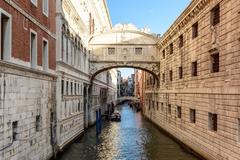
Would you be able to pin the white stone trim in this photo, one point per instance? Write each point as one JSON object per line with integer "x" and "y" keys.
{"x": 33, "y": 64}
{"x": 9, "y": 55}
{"x": 43, "y": 3}
{"x": 45, "y": 60}
{"x": 34, "y": 2}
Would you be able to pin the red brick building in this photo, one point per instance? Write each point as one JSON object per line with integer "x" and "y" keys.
{"x": 28, "y": 32}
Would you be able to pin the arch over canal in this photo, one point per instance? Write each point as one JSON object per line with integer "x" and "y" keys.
{"x": 124, "y": 46}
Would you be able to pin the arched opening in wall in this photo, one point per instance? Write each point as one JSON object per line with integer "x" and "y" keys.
{"x": 154, "y": 76}
{"x": 131, "y": 85}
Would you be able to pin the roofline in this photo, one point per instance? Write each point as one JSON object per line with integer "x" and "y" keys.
{"x": 126, "y": 31}
{"x": 108, "y": 15}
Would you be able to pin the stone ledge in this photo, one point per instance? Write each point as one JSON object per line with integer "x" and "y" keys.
{"x": 15, "y": 69}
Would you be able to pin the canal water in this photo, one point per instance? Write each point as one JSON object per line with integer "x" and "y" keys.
{"x": 133, "y": 138}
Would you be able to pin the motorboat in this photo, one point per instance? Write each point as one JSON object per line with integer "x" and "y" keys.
{"x": 116, "y": 116}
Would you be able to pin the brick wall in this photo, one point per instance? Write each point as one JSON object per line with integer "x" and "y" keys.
{"x": 21, "y": 26}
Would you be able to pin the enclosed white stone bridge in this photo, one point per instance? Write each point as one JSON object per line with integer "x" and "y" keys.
{"x": 124, "y": 46}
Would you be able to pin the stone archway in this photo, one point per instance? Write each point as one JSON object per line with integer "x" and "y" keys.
{"x": 124, "y": 46}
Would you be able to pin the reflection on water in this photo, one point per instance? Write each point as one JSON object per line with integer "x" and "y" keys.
{"x": 131, "y": 139}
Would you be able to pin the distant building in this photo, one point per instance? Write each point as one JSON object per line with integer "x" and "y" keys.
{"x": 119, "y": 79}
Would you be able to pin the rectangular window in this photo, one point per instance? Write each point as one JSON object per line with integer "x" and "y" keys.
{"x": 215, "y": 15}
{"x": 169, "y": 109}
{"x": 194, "y": 68}
{"x": 179, "y": 112}
{"x": 163, "y": 54}
{"x": 45, "y": 55}
{"x": 157, "y": 106}
{"x": 38, "y": 123}
{"x": 162, "y": 107}
{"x": 215, "y": 62}
{"x": 163, "y": 77}
{"x": 138, "y": 51}
{"x": 5, "y": 37}
{"x": 71, "y": 88}
{"x": 62, "y": 88}
{"x": 111, "y": 51}
{"x": 45, "y": 7}
{"x": 212, "y": 122}
{"x": 180, "y": 71}
{"x": 181, "y": 41}
{"x": 67, "y": 88}
{"x": 33, "y": 49}
{"x": 34, "y": 2}
{"x": 75, "y": 88}
{"x": 170, "y": 75}
{"x": 14, "y": 130}
{"x": 195, "y": 30}
{"x": 238, "y": 129}
{"x": 171, "y": 48}
{"x": 192, "y": 115}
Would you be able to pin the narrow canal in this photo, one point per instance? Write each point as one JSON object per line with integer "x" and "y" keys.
{"x": 131, "y": 139}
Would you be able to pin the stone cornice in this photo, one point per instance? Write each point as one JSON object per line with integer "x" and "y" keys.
{"x": 188, "y": 14}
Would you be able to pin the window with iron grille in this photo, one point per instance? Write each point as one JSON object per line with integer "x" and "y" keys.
{"x": 170, "y": 75}
{"x": 162, "y": 107}
{"x": 138, "y": 51}
{"x": 212, "y": 121}
{"x": 111, "y": 51}
{"x": 180, "y": 70}
{"x": 163, "y": 77}
{"x": 179, "y": 112}
{"x": 215, "y": 15}
{"x": 192, "y": 115}
{"x": 215, "y": 62}
{"x": 163, "y": 54}
{"x": 194, "y": 30}
{"x": 171, "y": 48}
{"x": 169, "y": 109}
{"x": 38, "y": 123}
{"x": 194, "y": 68}
{"x": 14, "y": 130}
{"x": 181, "y": 41}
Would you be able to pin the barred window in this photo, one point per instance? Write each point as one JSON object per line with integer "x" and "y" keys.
{"x": 194, "y": 30}
{"x": 138, "y": 51}
{"x": 215, "y": 15}
{"x": 163, "y": 54}
{"x": 192, "y": 115}
{"x": 180, "y": 70}
{"x": 179, "y": 112}
{"x": 181, "y": 41}
{"x": 212, "y": 121}
{"x": 171, "y": 48}
{"x": 169, "y": 109}
{"x": 111, "y": 51}
{"x": 215, "y": 62}
{"x": 163, "y": 77}
{"x": 38, "y": 123}
{"x": 170, "y": 75}
{"x": 194, "y": 68}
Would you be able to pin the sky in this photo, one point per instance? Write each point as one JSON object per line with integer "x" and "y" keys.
{"x": 158, "y": 15}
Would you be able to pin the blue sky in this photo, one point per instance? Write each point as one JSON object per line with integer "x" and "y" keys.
{"x": 158, "y": 15}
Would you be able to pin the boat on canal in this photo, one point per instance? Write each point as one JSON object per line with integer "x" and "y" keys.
{"x": 115, "y": 116}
